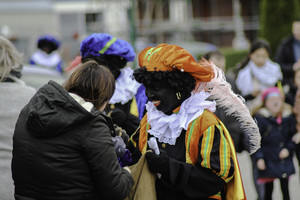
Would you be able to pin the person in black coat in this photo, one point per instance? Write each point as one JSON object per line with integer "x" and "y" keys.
{"x": 62, "y": 143}
{"x": 288, "y": 54}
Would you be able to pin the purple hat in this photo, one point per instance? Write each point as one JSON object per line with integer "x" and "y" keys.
{"x": 98, "y": 44}
{"x": 49, "y": 40}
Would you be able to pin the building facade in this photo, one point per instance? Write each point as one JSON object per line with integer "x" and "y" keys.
{"x": 217, "y": 22}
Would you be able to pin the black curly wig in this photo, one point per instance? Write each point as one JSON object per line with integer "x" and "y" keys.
{"x": 47, "y": 46}
{"x": 114, "y": 62}
{"x": 180, "y": 81}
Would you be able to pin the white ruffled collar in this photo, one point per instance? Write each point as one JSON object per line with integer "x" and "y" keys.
{"x": 126, "y": 87}
{"x": 46, "y": 60}
{"x": 167, "y": 128}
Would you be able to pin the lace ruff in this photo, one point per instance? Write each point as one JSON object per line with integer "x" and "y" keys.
{"x": 167, "y": 128}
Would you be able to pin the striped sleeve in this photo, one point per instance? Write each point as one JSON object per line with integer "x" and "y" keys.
{"x": 215, "y": 152}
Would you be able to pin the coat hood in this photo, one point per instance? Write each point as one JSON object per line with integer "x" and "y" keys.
{"x": 52, "y": 111}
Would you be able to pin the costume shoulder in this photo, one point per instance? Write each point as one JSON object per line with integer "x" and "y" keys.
{"x": 207, "y": 119}
{"x": 194, "y": 132}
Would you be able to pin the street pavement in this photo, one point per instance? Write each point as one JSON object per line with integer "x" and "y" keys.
{"x": 246, "y": 170}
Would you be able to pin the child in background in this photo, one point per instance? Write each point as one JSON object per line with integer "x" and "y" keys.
{"x": 293, "y": 98}
{"x": 277, "y": 126}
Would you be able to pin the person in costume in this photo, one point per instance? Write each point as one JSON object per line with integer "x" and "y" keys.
{"x": 256, "y": 73}
{"x": 47, "y": 54}
{"x": 277, "y": 126}
{"x": 62, "y": 144}
{"x": 195, "y": 156}
{"x": 126, "y": 107}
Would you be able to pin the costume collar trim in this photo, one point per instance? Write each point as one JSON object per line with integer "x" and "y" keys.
{"x": 167, "y": 128}
{"x": 126, "y": 87}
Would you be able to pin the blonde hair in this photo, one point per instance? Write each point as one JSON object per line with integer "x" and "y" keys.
{"x": 10, "y": 58}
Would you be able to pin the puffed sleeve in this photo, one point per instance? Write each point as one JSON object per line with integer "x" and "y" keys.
{"x": 215, "y": 153}
{"x": 212, "y": 170}
{"x": 112, "y": 181}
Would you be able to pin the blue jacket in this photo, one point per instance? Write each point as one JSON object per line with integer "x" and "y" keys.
{"x": 275, "y": 137}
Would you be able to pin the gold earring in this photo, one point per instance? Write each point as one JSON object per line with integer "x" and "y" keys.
{"x": 178, "y": 95}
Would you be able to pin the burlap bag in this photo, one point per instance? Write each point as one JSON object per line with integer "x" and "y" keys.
{"x": 144, "y": 182}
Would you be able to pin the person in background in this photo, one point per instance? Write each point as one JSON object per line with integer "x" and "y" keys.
{"x": 293, "y": 98}
{"x": 47, "y": 54}
{"x": 127, "y": 105}
{"x": 63, "y": 146}
{"x": 277, "y": 126}
{"x": 230, "y": 122}
{"x": 288, "y": 54}
{"x": 14, "y": 94}
{"x": 195, "y": 156}
{"x": 256, "y": 73}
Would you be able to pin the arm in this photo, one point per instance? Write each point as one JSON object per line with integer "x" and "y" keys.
{"x": 215, "y": 153}
{"x": 122, "y": 117}
{"x": 194, "y": 181}
{"x": 209, "y": 174}
{"x": 290, "y": 144}
{"x": 285, "y": 58}
{"x": 112, "y": 181}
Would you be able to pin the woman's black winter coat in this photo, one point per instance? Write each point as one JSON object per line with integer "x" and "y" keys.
{"x": 61, "y": 151}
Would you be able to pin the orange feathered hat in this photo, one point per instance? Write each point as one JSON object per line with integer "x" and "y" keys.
{"x": 167, "y": 57}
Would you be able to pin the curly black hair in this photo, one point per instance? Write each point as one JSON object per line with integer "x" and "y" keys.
{"x": 180, "y": 81}
{"x": 47, "y": 46}
{"x": 114, "y": 62}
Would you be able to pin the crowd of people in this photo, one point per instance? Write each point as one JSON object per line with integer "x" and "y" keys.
{"x": 176, "y": 120}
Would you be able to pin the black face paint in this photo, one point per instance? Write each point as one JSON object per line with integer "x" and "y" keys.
{"x": 163, "y": 97}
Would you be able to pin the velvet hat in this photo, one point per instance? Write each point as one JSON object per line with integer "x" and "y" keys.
{"x": 98, "y": 44}
{"x": 167, "y": 57}
{"x": 48, "y": 39}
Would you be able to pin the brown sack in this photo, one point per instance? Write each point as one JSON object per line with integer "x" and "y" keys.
{"x": 144, "y": 182}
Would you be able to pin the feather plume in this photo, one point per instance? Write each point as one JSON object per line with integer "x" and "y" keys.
{"x": 233, "y": 104}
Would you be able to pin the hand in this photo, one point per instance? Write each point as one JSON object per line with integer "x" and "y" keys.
{"x": 296, "y": 138}
{"x": 261, "y": 164}
{"x": 120, "y": 146}
{"x": 122, "y": 133}
{"x": 284, "y": 153}
{"x": 158, "y": 163}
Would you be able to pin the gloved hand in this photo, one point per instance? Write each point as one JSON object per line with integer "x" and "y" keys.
{"x": 126, "y": 159}
{"x": 158, "y": 163}
{"x": 122, "y": 133}
{"x": 120, "y": 146}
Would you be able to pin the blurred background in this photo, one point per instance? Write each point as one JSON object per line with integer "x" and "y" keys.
{"x": 197, "y": 25}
